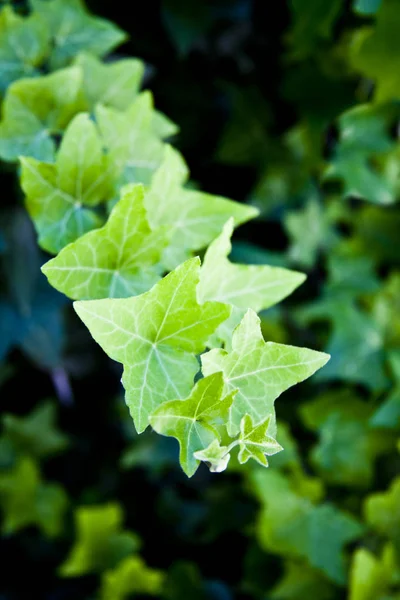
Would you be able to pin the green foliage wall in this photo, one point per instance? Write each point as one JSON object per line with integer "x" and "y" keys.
{"x": 148, "y": 258}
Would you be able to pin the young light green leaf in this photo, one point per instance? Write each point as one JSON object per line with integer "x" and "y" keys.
{"x": 244, "y": 286}
{"x": 101, "y": 541}
{"x": 37, "y": 108}
{"x": 74, "y": 29}
{"x": 26, "y": 501}
{"x": 254, "y": 441}
{"x": 59, "y": 197}
{"x": 129, "y": 138}
{"x": 194, "y": 218}
{"x": 260, "y": 370}
{"x": 117, "y": 261}
{"x": 382, "y": 512}
{"x": 156, "y": 336}
{"x": 215, "y": 455}
{"x": 24, "y": 45}
{"x": 132, "y": 576}
{"x": 371, "y": 577}
{"x": 193, "y": 421}
{"x": 114, "y": 84}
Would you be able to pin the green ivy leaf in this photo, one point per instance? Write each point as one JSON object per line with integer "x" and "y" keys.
{"x": 376, "y": 51}
{"x": 371, "y": 578}
{"x": 291, "y": 526}
{"x": 312, "y": 24}
{"x": 36, "y": 109}
{"x": 132, "y": 576}
{"x": 254, "y": 441}
{"x": 382, "y": 513}
{"x": 193, "y": 421}
{"x": 388, "y": 414}
{"x": 114, "y": 84}
{"x": 26, "y": 501}
{"x": 60, "y": 197}
{"x": 215, "y": 455}
{"x": 244, "y": 286}
{"x": 300, "y": 581}
{"x": 348, "y": 446}
{"x": 74, "y": 29}
{"x": 156, "y": 336}
{"x": 35, "y": 434}
{"x": 101, "y": 542}
{"x": 24, "y": 46}
{"x": 194, "y": 218}
{"x": 260, "y": 371}
{"x": 117, "y": 261}
{"x": 366, "y": 7}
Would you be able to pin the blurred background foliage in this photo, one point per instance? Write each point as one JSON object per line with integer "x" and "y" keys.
{"x": 294, "y": 108}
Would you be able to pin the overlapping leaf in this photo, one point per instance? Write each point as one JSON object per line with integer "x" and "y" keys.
{"x": 155, "y": 336}
{"x": 117, "y": 261}
{"x": 260, "y": 371}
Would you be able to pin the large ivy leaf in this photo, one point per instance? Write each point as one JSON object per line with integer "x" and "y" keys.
{"x": 24, "y": 45}
{"x": 26, "y": 501}
{"x": 193, "y": 421}
{"x": 260, "y": 371}
{"x": 382, "y": 513}
{"x": 113, "y": 84}
{"x": 155, "y": 336}
{"x": 35, "y": 434}
{"x": 36, "y": 109}
{"x": 366, "y": 157}
{"x": 376, "y": 51}
{"x": 130, "y": 139}
{"x": 132, "y": 576}
{"x": 74, "y": 29}
{"x": 348, "y": 446}
{"x": 372, "y": 578}
{"x": 117, "y": 261}
{"x": 101, "y": 543}
{"x": 194, "y": 218}
{"x": 292, "y": 526}
{"x": 60, "y": 197}
{"x": 244, "y": 286}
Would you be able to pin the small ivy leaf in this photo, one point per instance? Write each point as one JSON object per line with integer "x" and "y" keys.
{"x": 366, "y": 7}
{"x": 24, "y": 46}
{"x": 73, "y": 29}
{"x": 117, "y": 261}
{"x": 260, "y": 371}
{"x": 194, "y": 218}
{"x": 388, "y": 414}
{"x": 372, "y": 577}
{"x": 193, "y": 421}
{"x": 254, "y": 441}
{"x": 26, "y": 501}
{"x": 101, "y": 541}
{"x": 244, "y": 286}
{"x": 37, "y": 108}
{"x": 130, "y": 577}
{"x": 129, "y": 138}
{"x": 156, "y": 336}
{"x": 215, "y": 455}
{"x": 114, "y": 84}
{"x": 301, "y": 581}
{"x": 35, "y": 434}
{"x": 382, "y": 513}
{"x": 60, "y": 197}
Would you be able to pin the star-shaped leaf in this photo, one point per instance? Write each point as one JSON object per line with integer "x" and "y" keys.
{"x": 24, "y": 45}
{"x": 74, "y": 29}
{"x": 117, "y": 261}
{"x": 156, "y": 336}
{"x": 260, "y": 371}
{"x": 292, "y": 526}
{"x": 254, "y": 442}
{"x": 36, "y": 109}
{"x": 132, "y": 576}
{"x": 382, "y": 513}
{"x": 26, "y": 501}
{"x": 113, "y": 84}
{"x": 35, "y": 434}
{"x": 194, "y": 218}
{"x": 193, "y": 421}
{"x": 60, "y": 197}
{"x": 101, "y": 541}
{"x": 244, "y": 286}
